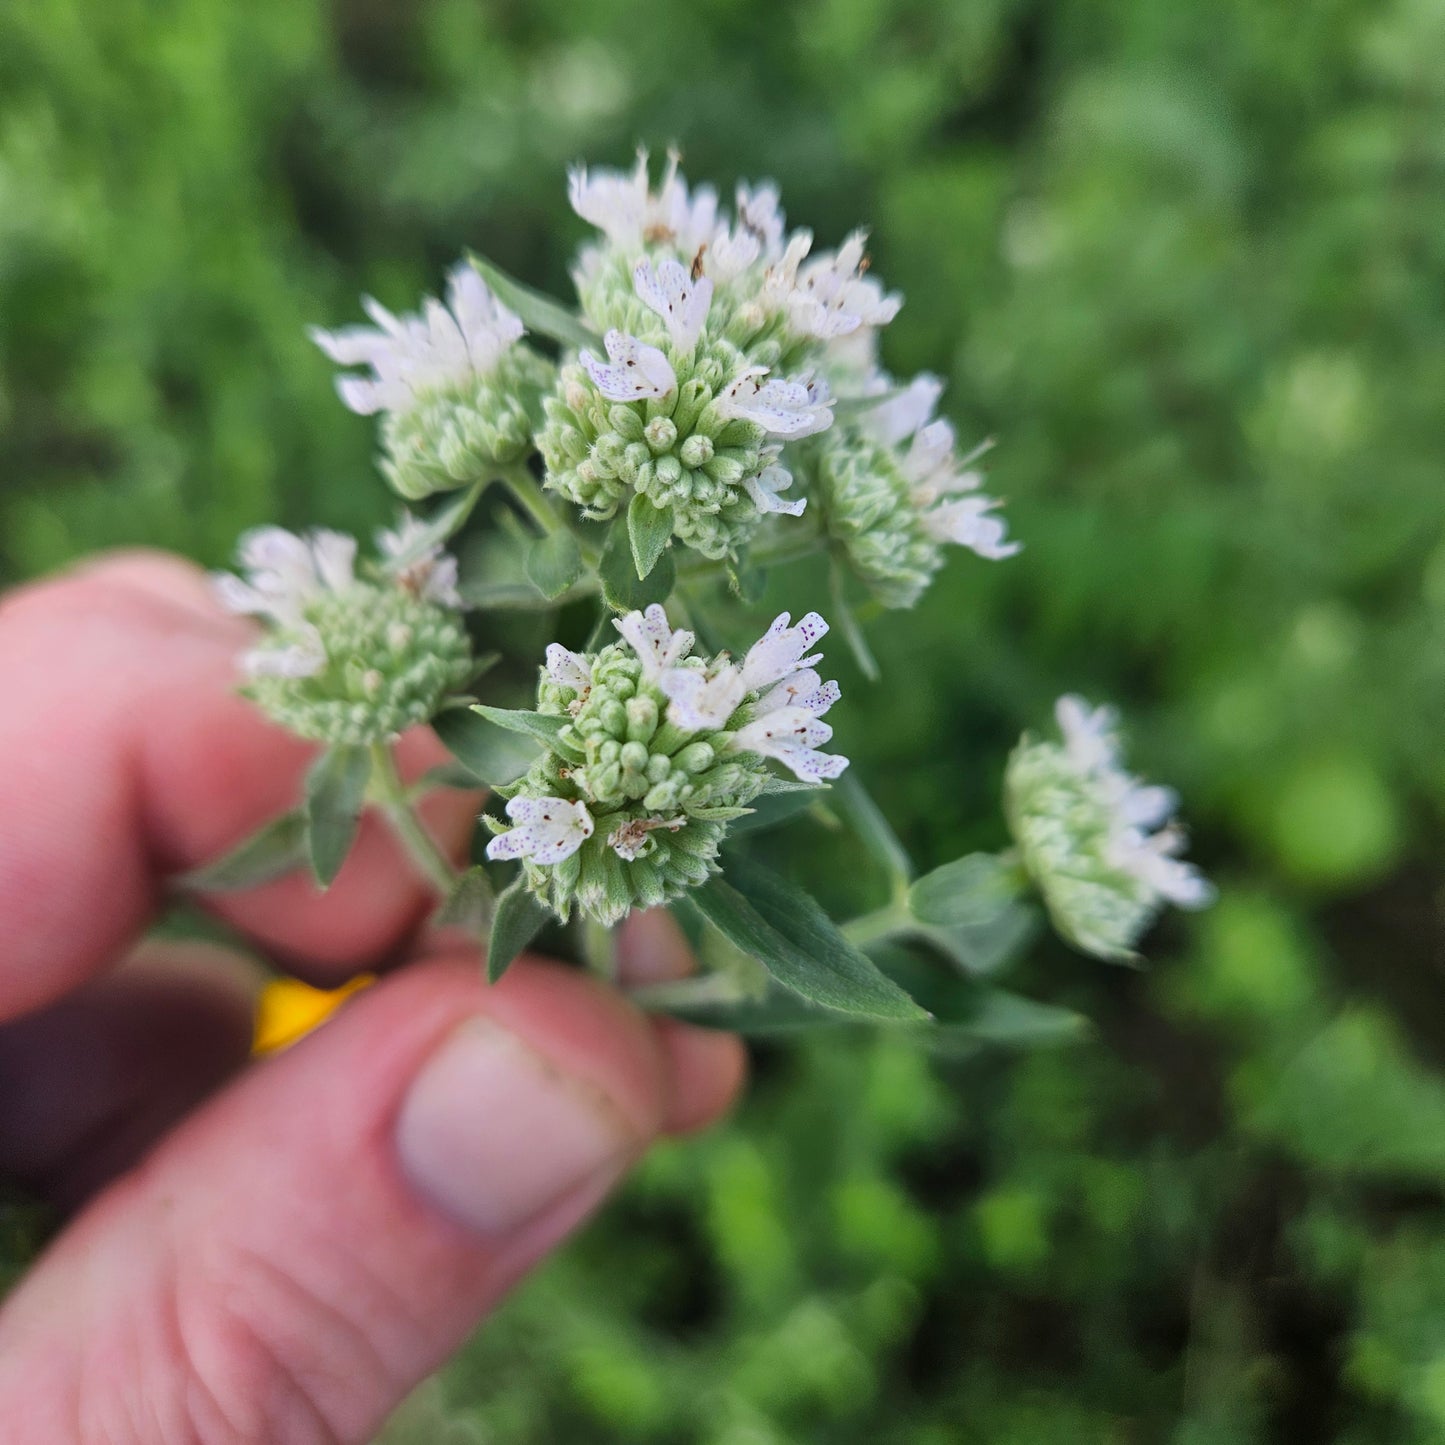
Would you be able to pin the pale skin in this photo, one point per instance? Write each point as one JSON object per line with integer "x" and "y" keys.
{"x": 278, "y": 1252}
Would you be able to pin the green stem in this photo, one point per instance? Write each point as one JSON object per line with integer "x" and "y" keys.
{"x": 523, "y": 486}
{"x": 707, "y": 988}
{"x": 890, "y": 921}
{"x": 421, "y": 847}
{"x": 599, "y": 948}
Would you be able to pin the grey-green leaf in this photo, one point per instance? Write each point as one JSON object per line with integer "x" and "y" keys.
{"x": 553, "y": 563}
{"x": 970, "y": 892}
{"x": 539, "y": 725}
{"x": 470, "y": 905}
{"x": 335, "y": 795}
{"x": 440, "y": 527}
{"x": 622, "y": 589}
{"x": 277, "y": 849}
{"x": 649, "y": 529}
{"x": 492, "y": 754}
{"x": 517, "y": 921}
{"x": 789, "y": 934}
{"x": 538, "y": 312}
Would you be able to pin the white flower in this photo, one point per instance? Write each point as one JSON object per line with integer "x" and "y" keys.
{"x": 804, "y": 689}
{"x": 785, "y": 718}
{"x": 829, "y": 296}
{"x": 568, "y": 669}
{"x": 426, "y": 569}
{"x": 1089, "y": 733}
{"x": 779, "y": 652}
{"x": 638, "y": 371}
{"x": 411, "y": 356}
{"x": 284, "y": 573}
{"x": 650, "y": 636}
{"x": 792, "y": 735}
{"x": 548, "y": 830}
{"x": 939, "y": 481}
{"x": 630, "y": 840}
{"x": 703, "y": 700}
{"x": 756, "y": 235}
{"x": 770, "y": 479}
{"x": 631, "y": 214}
{"x": 782, "y": 408}
{"x": 669, "y": 290}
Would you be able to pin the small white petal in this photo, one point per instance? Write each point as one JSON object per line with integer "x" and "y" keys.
{"x": 650, "y": 636}
{"x": 638, "y": 372}
{"x": 568, "y": 669}
{"x": 969, "y": 522}
{"x": 764, "y": 487}
{"x": 303, "y": 658}
{"x": 682, "y": 303}
{"x": 548, "y": 830}
{"x": 804, "y": 689}
{"x": 891, "y": 421}
{"x": 779, "y": 652}
{"x": 700, "y": 701}
{"x": 782, "y": 408}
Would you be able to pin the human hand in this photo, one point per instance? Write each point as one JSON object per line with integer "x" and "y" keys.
{"x": 272, "y": 1252}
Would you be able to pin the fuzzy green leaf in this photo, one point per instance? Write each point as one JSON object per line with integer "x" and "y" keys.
{"x": 493, "y": 754}
{"x": 970, "y": 892}
{"x": 277, "y": 849}
{"x": 622, "y": 589}
{"x": 470, "y": 905}
{"x": 649, "y": 530}
{"x": 440, "y": 527}
{"x": 517, "y": 921}
{"x": 539, "y": 725}
{"x": 335, "y": 795}
{"x": 773, "y": 811}
{"x": 553, "y": 563}
{"x": 538, "y": 312}
{"x": 787, "y": 932}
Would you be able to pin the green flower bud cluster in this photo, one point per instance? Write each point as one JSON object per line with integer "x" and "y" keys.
{"x": 659, "y": 795}
{"x": 1062, "y": 829}
{"x": 1085, "y": 833}
{"x": 467, "y": 431}
{"x": 869, "y": 513}
{"x": 675, "y": 450}
{"x": 387, "y": 658}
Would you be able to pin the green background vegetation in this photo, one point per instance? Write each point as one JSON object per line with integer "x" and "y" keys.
{"x": 1185, "y": 260}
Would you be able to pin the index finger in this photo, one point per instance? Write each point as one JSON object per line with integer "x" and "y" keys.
{"x": 130, "y": 758}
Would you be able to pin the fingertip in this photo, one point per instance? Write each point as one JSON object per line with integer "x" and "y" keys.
{"x": 707, "y": 1069}
{"x": 652, "y": 948}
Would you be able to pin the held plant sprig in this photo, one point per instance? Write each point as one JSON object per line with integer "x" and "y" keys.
{"x": 711, "y": 410}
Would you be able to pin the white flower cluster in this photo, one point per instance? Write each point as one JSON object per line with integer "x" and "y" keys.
{"x": 346, "y": 658}
{"x": 1098, "y": 843}
{"x": 775, "y": 691}
{"x": 412, "y": 357}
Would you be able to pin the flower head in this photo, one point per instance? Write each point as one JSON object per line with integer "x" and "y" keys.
{"x": 658, "y": 751}
{"x": 459, "y": 395}
{"x": 896, "y": 491}
{"x": 1097, "y": 842}
{"x": 347, "y": 660}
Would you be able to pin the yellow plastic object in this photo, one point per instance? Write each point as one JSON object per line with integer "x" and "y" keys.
{"x": 288, "y": 1010}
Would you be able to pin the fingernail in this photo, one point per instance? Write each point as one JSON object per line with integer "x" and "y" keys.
{"x": 494, "y": 1134}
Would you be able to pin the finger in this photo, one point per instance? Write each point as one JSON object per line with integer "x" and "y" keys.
{"x": 708, "y": 1065}
{"x": 133, "y": 760}
{"x": 90, "y": 1083}
{"x": 315, "y": 1241}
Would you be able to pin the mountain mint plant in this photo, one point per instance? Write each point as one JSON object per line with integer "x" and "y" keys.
{"x": 708, "y": 416}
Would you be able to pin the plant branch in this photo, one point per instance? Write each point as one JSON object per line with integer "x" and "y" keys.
{"x": 391, "y": 797}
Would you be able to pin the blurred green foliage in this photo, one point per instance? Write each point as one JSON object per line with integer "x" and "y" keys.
{"x": 1185, "y": 261}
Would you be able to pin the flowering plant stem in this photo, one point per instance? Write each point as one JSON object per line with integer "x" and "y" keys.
{"x": 391, "y": 797}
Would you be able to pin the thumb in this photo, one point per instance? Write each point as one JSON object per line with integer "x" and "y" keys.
{"x": 307, "y": 1247}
